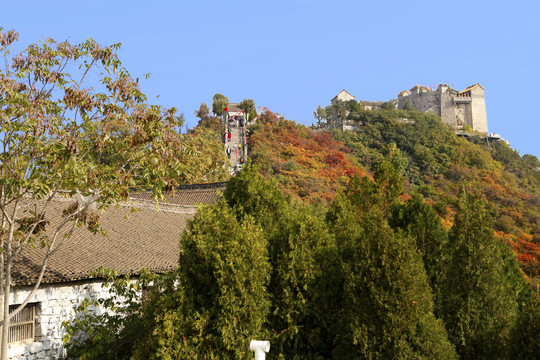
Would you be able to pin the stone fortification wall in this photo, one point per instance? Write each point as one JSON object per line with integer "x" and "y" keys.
{"x": 456, "y": 109}
{"x": 448, "y": 110}
{"x": 424, "y": 101}
{"x": 478, "y": 110}
{"x": 55, "y": 303}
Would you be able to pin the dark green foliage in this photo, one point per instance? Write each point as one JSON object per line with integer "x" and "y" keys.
{"x": 389, "y": 177}
{"x": 425, "y": 141}
{"x": 420, "y": 221}
{"x": 248, "y": 105}
{"x": 110, "y": 335}
{"x": 306, "y": 288}
{"x": 224, "y": 272}
{"x": 356, "y": 286}
{"x": 482, "y": 286}
{"x": 249, "y": 193}
{"x": 526, "y": 168}
{"x": 387, "y": 302}
{"x": 219, "y": 103}
{"x": 525, "y": 344}
{"x": 305, "y": 267}
{"x": 409, "y": 107}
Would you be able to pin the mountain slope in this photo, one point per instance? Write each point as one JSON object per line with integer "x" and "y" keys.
{"x": 312, "y": 165}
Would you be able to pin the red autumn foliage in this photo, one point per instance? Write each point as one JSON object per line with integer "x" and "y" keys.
{"x": 309, "y": 165}
{"x": 527, "y": 258}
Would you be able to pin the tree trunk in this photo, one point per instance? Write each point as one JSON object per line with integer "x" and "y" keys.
{"x": 6, "y": 287}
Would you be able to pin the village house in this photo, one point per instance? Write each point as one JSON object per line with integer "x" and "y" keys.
{"x": 148, "y": 239}
{"x": 343, "y": 95}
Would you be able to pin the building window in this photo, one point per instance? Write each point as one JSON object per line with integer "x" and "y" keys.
{"x": 22, "y": 326}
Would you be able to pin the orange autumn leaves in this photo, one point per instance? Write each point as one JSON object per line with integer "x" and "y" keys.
{"x": 308, "y": 165}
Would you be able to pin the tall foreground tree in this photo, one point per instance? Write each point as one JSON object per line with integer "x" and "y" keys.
{"x": 419, "y": 221}
{"x": 482, "y": 288}
{"x": 387, "y": 302}
{"x": 56, "y": 122}
{"x": 305, "y": 283}
{"x": 223, "y": 273}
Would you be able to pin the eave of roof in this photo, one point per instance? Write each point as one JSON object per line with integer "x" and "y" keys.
{"x": 342, "y": 91}
{"x": 472, "y": 87}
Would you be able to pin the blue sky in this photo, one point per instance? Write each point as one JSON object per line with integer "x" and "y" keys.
{"x": 292, "y": 55}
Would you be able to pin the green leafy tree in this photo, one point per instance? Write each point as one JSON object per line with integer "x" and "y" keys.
{"x": 202, "y": 112}
{"x": 54, "y": 126}
{"x": 525, "y": 344}
{"x": 420, "y": 221}
{"x": 249, "y": 193}
{"x": 387, "y": 302}
{"x": 219, "y": 104}
{"x": 387, "y": 105}
{"x": 482, "y": 286}
{"x": 221, "y": 300}
{"x": 202, "y": 155}
{"x": 113, "y": 334}
{"x": 389, "y": 177}
{"x": 319, "y": 114}
{"x": 305, "y": 279}
{"x": 306, "y": 289}
{"x": 248, "y": 105}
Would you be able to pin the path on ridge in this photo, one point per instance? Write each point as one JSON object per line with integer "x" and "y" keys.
{"x": 236, "y": 139}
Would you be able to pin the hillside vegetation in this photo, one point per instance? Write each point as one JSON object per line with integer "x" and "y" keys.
{"x": 374, "y": 244}
{"x": 312, "y": 165}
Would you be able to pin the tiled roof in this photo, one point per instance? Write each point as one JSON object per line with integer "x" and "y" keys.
{"x": 185, "y": 195}
{"x": 472, "y": 87}
{"x": 234, "y": 107}
{"x": 148, "y": 239}
{"x": 342, "y": 91}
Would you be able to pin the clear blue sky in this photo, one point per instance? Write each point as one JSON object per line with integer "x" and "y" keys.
{"x": 292, "y": 55}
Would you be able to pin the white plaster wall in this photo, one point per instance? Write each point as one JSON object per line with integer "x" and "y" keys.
{"x": 57, "y": 303}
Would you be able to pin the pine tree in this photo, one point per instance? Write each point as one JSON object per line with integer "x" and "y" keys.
{"x": 305, "y": 279}
{"x": 306, "y": 289}
{"x": 223, "y": 303}
{"x": 420, "y": 221}
{"x": 250, "y": 193}
{"x": 481, "y": 287}
{"x": 525, "y": 344}
{"x": 387, "y": 305}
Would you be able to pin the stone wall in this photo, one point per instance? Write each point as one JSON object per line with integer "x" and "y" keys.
{"x": 478, "y": 110}
{"x": 448, "y": 110}
{"x": 467, "y": 111}
{"x": 55, "y": 303}
{"x": 422, "y": 101}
